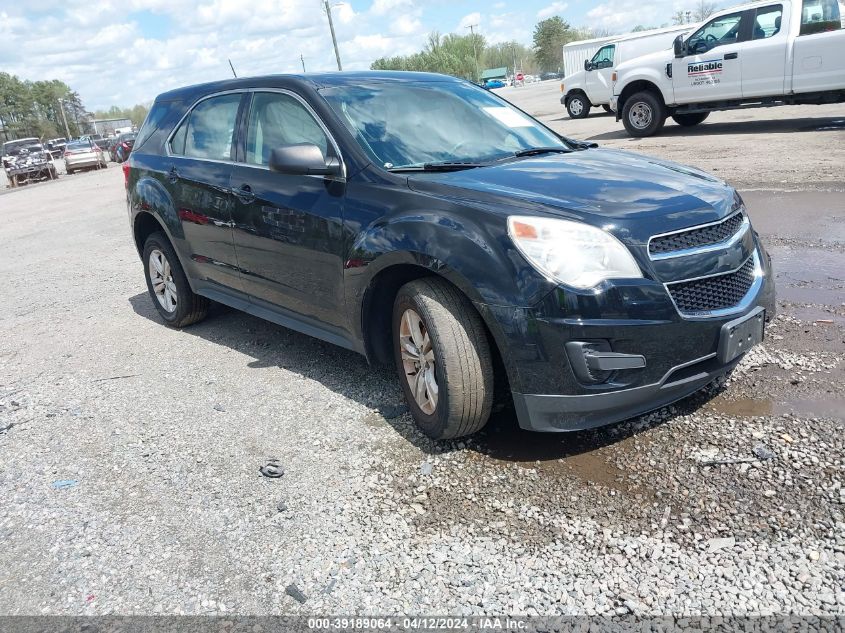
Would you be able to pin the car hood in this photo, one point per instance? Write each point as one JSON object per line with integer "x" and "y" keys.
{"x": 631, "y": 195}
{"x": 659, "y": 58}
{"x": 577, "y": 79}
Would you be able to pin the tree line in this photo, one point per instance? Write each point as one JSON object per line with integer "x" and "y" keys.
{"x": 41, "y": 108}
{"x": 467, "y": 56}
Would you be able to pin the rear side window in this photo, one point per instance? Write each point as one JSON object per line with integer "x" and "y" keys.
{"x": 208, "y": 130}
{"x": 277, "y": 119}
{"x": 767, "y": 22}
{"x": 820, "y": 16}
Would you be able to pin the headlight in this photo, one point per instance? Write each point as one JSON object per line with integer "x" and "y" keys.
{"x": 571, "y": 253}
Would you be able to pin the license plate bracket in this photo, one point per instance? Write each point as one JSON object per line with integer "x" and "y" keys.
{"x": 740, "y": 335}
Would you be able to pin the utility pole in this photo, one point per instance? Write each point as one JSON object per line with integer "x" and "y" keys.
{"x": 513, "y": 52}
{"x": 64, "y": 118}
{"x": 331, "y": 28}
{"x": 302, "y": 59}
{"x": 474, "y": 51}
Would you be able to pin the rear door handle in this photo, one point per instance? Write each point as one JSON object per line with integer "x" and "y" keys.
{"x": 173, "y": 175}
{"x": 244, "y": 193}
{"x": 731, "y": 55}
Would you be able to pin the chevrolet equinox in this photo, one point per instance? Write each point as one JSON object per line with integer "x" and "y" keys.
{"x": 421, "y": 220}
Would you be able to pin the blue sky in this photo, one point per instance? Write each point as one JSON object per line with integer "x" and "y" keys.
{"x": 122, "y": 52}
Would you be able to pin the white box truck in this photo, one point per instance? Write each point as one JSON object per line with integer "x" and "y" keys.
{"x": 755, "y": 55}
{"x": 589, "y": 84}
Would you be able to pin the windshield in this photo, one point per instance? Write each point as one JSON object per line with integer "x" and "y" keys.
{"x": 403, "y": 125}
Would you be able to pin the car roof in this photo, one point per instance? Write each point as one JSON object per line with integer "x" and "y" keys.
{"x": 313, "y": 80}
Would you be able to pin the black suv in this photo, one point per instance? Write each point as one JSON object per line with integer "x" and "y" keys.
{"x": 421, "y": 220}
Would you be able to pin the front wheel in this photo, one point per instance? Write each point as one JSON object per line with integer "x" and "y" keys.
{"x": 168, "y": 286}
{"x": 643, "y": 114}
{"x": 689, "y": 120}
{"x": 443, "y": 359}
{"x": 578, "y": 107}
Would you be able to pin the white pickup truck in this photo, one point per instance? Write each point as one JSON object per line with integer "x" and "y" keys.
{"x": 756, "y": 55}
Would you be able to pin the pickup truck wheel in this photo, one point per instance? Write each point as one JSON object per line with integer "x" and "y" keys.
{"x": 689, "y": 120}
{"x": 643, "y": 114}
{"x": 443, "y": 359}
{"x": 168, "y": 286}
{"x": 578, "y": 107}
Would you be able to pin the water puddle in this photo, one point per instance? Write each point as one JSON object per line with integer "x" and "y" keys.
{"x": 809, "y": 276}
{"x": 802, "y": 407}
{"x": 808, "y": 314}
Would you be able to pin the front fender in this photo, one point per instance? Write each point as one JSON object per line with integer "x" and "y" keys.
{"x": 475, "y": 254}
{"x": 655, "y": 77}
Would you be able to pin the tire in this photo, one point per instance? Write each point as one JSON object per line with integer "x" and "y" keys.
{"x": 643, "y": 114}
{"x": 68, "y": 171}
{"x": 690, "y": 120}
{"x": 578, "y": 106}
{"x": 188, "y": 307}
{"x": 458, "y": 356}
{"x": 606, "y": 107}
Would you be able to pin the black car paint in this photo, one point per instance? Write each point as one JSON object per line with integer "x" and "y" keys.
{"x": 308, "y": 252}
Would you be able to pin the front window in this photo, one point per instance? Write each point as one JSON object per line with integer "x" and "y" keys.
{"x": 718, "y": 32}
{"x": 404, "y": 125}
{"x": 278, "y": 119}
{"x": 604, "y": 57}
{"x": 820, "y": 16}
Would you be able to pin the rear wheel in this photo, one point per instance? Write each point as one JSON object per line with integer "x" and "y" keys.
{"x": 689, "y": 120}
{"x": 578, "y": 106}
{"x": 168, "y": 286}
{"x": 443, "y": 359}
{"x": 643, "y": 114}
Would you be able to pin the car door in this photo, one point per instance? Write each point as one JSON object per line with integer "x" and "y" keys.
{"x": 199, "y": 170}
{"x": 598, "y": 78}
{"x": 288, "y": 228}
{"x": 818, "y": 62}
{"x": 763, "y": 57}
{"x": 710, "y": 69}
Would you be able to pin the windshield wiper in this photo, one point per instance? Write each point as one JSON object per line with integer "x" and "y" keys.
{"x": 533, "y": 151}
{"x": 440, "y": 166}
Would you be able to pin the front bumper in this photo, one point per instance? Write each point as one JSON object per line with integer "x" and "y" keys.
{"x": 630, "y": 317}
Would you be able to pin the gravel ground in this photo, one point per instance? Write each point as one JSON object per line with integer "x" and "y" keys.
{"x": 130, "y": 456}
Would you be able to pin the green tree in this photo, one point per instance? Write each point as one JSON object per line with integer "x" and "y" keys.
{"x": 504, "y": 54}
{"x": 549, "y": 37}
{"x": 449, "y": 54}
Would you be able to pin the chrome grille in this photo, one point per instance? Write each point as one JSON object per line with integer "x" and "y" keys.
{"x": 697, "y": 237}
{"x": 710, "y": 294}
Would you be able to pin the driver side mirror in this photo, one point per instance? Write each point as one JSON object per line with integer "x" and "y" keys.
{"x": 588, "y": 65}
{"x": 679, "y": 46}
{"x": 303, "y": 159}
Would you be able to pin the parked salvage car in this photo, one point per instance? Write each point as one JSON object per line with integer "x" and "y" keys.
{"x": 83, "y": 155}
{"x": 123, "y": 146}
{"x": 480, "y": 253}
{"x": 56, "y": 146}
{"x": 27, "y": 160}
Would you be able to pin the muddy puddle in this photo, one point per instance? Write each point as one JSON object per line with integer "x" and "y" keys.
{"x": 820, "y": 317}
{"x": 802, "y": 407}
{"x": 588, "y": 456}
{"x": 809, "y": 275}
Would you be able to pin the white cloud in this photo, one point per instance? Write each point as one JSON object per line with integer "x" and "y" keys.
{"x": 623, "y": 15}
{"x": 555, "y": 8}
{"x": 467, "y": 20}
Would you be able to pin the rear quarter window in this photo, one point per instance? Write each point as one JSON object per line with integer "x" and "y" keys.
{"x": 151, "y": 123}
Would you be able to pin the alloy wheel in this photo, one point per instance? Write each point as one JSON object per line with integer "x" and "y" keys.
{"x": 161, "y": 277}
{"x": 576, "y": 107}
{"x": 418, "y": 361}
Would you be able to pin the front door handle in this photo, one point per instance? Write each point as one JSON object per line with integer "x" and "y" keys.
{"x": 731, "y": 55}
{"x": 244, "y": 193}
{"x": 173, "y": 175}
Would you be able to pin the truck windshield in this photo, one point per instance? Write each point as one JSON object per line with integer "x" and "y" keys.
{"x": 403, "y": 125}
